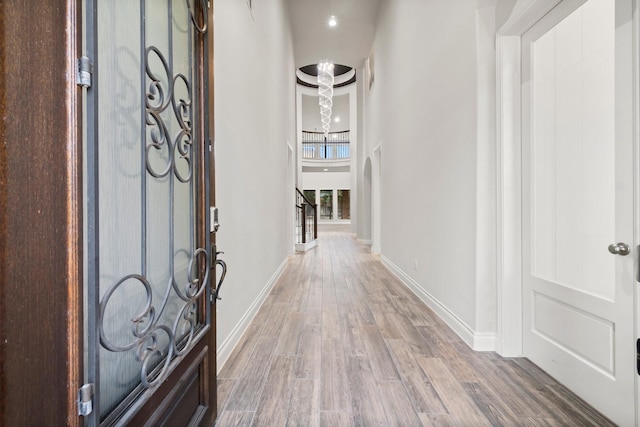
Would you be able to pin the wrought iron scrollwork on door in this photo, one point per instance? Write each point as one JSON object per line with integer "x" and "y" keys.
{"x": 145, "y": 326}
{"x": 203, "y": 7}
{"x": 166, "y": 322}
{"x": 157, "y": 101}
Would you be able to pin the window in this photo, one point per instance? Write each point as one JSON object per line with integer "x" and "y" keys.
{"x": 310, "y": 195}
{"x": 344, "y": 204}
{"x": 326, "y": 204}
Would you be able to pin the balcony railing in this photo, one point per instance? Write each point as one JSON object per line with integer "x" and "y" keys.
{"x": 316, "y": 147}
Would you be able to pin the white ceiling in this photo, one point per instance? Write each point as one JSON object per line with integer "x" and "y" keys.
{"x": 348, "y": 43}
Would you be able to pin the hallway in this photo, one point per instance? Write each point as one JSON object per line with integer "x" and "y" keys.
{"x": 340, "y": 341}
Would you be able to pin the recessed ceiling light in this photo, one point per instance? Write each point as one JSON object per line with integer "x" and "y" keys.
{"x": 332, "y": 21}
{"x": 326, "y": 170}
{"x": 337, "y": 119}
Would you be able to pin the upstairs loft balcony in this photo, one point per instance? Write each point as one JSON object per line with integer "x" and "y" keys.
{"x": 315, "y": 147}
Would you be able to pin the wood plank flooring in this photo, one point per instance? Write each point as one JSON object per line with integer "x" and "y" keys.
{"x": 340, "y": 341}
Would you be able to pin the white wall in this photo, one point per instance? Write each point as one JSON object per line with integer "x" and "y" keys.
{"x": 254, "y": 121}
{"x": 431, "y": 112}
{"x": 326, "y": 180}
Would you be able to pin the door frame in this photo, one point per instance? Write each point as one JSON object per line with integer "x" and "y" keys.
{"x": 636, "y": 158}
{"x": 376, "y": 203}
{"x": 509, "y": 169}
{"x": 509, "y": 173}
{"x": 40, "y": 214}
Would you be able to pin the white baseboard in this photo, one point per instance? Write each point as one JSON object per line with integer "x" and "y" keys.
{"x": 365, "y": 241}
{"x": 303, "y": 247}
{"x": 485, "y": 341}
{"x": 479, "y": 341}
{"x": 225, "y": 349}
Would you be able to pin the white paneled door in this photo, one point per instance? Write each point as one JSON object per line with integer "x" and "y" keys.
{"x": 578, "y": 195}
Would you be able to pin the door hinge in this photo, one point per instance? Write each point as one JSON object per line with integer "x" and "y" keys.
{"x": 84, "y": 72}
{"x": 85, "y": 400}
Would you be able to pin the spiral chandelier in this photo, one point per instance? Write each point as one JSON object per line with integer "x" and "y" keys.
{"x": 325, "y": 94}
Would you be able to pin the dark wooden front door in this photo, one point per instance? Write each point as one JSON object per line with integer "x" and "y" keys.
{"x": 150, "y": 328}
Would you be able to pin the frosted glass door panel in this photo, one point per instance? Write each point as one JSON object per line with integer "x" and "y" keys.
{"x": 120, "y": 179}
{"x": 573, "y": 151}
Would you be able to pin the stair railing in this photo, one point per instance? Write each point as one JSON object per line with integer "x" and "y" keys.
{"x": 306, "y": 219}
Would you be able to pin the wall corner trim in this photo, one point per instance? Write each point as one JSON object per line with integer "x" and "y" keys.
{"x": 478, "y": 341}
{"x": 226, "y": 348}
{"x": 525, "y": 14}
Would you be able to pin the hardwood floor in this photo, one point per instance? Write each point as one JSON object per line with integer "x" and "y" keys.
{"x": 340, "y": 341}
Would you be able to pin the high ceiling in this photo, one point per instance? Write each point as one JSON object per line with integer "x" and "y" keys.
{"x": 348, "y": 43}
